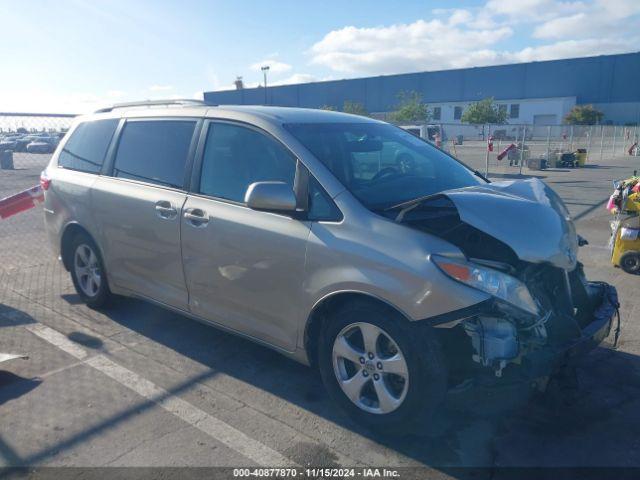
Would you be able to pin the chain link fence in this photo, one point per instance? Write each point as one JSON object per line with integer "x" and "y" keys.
{"x": 26, "y": 144}
{"x": 530, "y": 144}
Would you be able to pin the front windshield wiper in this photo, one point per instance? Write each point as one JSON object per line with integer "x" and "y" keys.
{"x": 478, "y": 174}
{"x": 408, "y": 203}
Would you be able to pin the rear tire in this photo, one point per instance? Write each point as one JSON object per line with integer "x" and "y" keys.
{"x": 363, "y": 381}
{"x": 88, "y": 273}
{"x": 630, "y": 262}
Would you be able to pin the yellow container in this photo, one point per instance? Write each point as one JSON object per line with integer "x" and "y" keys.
{"x": 581, "y": 158}
{"x": 633, "y": 203}
{"x": 626, "y": 253}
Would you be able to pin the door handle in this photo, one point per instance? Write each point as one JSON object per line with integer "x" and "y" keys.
{"x": 165, "y": 210}
{"x": 196, "y": 217}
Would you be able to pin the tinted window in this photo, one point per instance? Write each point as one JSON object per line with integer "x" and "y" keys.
{"x": 380, "y": 164}
{"x": 514, "y": 111}
{"x": 154, "y": 151}
{"x": 457, "y": 113}
{"x": 86, "y": 148}
{"x": 437, "y": 113}
{"x": 235, "y": 157}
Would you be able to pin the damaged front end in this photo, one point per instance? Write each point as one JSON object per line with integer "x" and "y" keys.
{"x": 500, "y": 340}
{"x": 521, "y": 248}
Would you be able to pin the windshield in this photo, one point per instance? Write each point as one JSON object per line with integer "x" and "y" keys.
{"x": 380, "y": 164}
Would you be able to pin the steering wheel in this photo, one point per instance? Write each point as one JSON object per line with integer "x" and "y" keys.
{"x": 385, "y": 172}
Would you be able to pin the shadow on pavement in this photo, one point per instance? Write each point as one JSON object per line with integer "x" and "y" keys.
{"x": 86, "y": 340}
{"x": 581, "y": 425}
{"x": 595, "y": 424}
{"x": 13, "y": 386}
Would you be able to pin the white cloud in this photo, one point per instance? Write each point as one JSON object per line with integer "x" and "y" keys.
{"x": 460, "y": 16}
{"x": 160, "y": 88}
{"x": 567, "y": 49}
{"x": 403, "y": 47}
{"x": 458, "y": 38}
{"x": 526, "y": 11}
{"x": 604, "y": 19}
{"x": 275, "y": 66}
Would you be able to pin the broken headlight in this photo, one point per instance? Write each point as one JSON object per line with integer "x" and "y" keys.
{"x": 493, "y": 282}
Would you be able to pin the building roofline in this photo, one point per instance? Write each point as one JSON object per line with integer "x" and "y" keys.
{"x": 421, "y": 72}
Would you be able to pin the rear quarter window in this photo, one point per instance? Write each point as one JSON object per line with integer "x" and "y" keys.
{"x": 86, "y": 149}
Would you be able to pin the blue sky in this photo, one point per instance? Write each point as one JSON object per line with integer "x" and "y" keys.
{"x": 75, "y": 55}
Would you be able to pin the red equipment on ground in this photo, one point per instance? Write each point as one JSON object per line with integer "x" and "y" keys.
{"x": 21, "y": 201}
{"x": 505, "y": 152}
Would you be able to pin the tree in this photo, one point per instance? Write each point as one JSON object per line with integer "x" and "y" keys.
{"x": 410, "y": 108}
{"x": 330, "y": 108}
{"x": 355, "y": 108}
{"x": 583, "y": 115}
{"x": 484, "y": 111}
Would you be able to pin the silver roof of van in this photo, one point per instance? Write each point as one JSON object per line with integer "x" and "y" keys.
{"x": 152, "y": 108}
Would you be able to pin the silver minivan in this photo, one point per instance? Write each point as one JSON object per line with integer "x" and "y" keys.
{"x": 341, "y": 241}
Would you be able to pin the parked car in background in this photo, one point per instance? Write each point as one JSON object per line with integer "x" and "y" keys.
{"x": 23, "y": 141}
{"x": 427, "y": 132}
{"x": 7, "y": 143}
{"x": 41, "y": 145}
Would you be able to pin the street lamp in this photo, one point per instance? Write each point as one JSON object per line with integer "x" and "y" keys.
{"x": 265, "y": 69}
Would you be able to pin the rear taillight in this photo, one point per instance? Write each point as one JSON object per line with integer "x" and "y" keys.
{"x": 44, "y": 181}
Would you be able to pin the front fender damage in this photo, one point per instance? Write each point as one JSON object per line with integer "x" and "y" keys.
{"x": 523, "y": 229}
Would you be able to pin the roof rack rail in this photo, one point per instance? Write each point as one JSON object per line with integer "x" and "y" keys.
{"x": 153, "y": 103}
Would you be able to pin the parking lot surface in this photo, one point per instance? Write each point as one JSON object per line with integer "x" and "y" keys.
{"x": 136, "y": 385}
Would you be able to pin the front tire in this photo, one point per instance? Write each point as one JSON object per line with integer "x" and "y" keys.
{"x": 630, "y": 262}
{"x": 383, "y": 372}
{"x": 88, "y": 273}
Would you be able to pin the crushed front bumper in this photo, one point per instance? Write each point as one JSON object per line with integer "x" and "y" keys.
{"x": 490, "y": 395}
{"x": 545, "y": 360}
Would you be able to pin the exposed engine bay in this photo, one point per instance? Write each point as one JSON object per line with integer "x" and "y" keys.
{"x": 521, "y": 229}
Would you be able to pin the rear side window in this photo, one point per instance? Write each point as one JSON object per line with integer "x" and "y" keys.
{"x": 154, "y": 151}
{"x": 87, "y": 147}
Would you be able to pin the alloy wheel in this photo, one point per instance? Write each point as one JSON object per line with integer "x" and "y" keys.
{"x": 87, "y": 270}
{"x": 370, "y": 368}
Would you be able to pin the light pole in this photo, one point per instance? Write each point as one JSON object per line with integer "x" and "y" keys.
{"x": 265, "y": 69}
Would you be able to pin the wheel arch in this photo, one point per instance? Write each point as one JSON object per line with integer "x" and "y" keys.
{"x": 70, "y": 231}
{"x": 323, "y": 308}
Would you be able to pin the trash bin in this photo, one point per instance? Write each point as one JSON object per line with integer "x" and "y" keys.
{"x": 533, "y": 164}
{"x": 6, "y": 159}
{"x": 459, "y": 139}
{"x": 537, "y": 163}
{"x": 581, "y": 156}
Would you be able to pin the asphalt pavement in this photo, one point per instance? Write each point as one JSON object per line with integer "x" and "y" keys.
{"x": 138, "y": 386}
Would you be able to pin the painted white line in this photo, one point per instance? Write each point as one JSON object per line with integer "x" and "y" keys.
{"x": 58, "y": 339}
{"x": 51, "y": 373}
{"x": 215, "y": 428}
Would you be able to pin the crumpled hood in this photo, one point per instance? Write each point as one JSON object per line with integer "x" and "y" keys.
{"x": 526, "y": 215}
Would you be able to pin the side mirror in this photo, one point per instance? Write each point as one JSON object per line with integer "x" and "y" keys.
{"x": 271, "y": 197}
